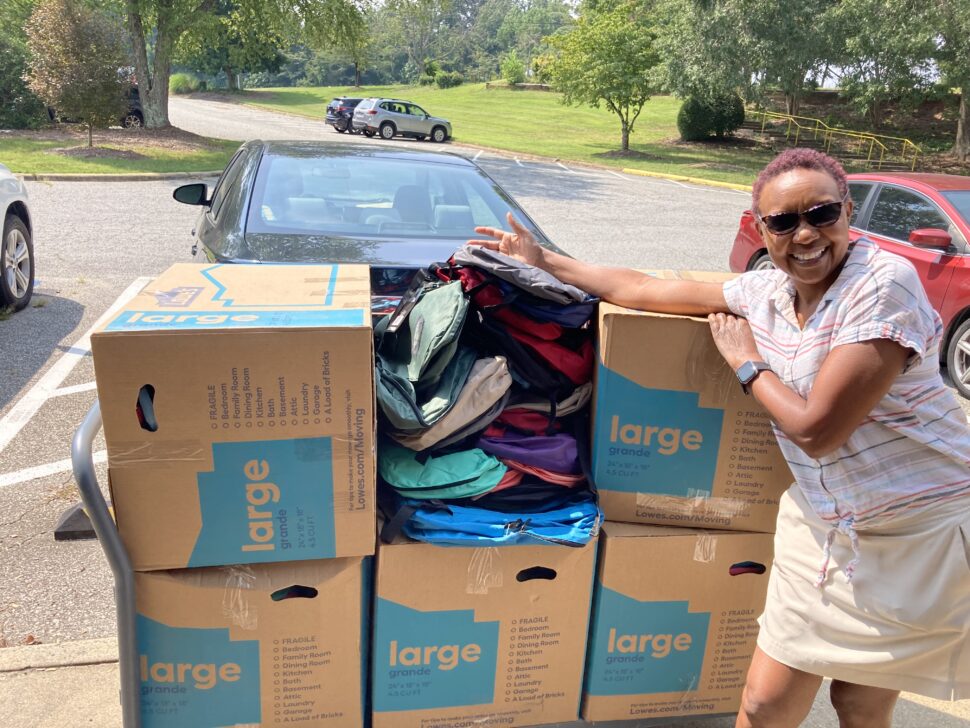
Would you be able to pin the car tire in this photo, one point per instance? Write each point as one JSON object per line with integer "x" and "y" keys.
{"x": 387, "y": 130}
{"x": 760, "y": 261}
{"x": 438, "y": 134}
{"x": 16, "y": 264}
{"x": 958, "y": 359}
{"x": 341, "y": 126}
{"x": 367, "y": 133}
{"x": 132, "y": 120}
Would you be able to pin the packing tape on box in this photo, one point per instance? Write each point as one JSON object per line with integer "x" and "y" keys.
{"x": 704, "y": 372}
{"x": 702, "y": 502}
{"x": 121, "y": 454}
{"x": 236, "y": 606}
{"x": 484, "y": 570}
{"x": 705, "y": 548}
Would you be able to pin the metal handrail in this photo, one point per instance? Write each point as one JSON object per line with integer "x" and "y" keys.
{"x": 828, "y": 133}
{"x": 82, "y": 459}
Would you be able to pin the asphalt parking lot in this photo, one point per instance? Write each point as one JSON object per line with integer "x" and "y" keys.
{"x": 98, "y": 242}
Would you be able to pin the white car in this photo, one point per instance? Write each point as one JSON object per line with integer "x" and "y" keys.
{"x": 394, "y": 117}
{"x": 16, "y": 245}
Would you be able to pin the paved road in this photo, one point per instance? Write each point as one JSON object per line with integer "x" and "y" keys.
{"x": 95, "y": 239}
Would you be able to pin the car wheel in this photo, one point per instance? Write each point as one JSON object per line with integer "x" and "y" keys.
{"x": 760, "y": 261}
{"x": 16, "y": 264}
{"x": 368, "y": 133}
{"x": 341, "y": 126}
{"x": 132, "y": 120}
{"x": 958, "y": 358}
{"x": 387, "y": 130}
{"x": 438, "y": 134}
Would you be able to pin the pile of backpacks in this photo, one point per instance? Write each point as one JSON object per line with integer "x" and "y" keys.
{"x": 484, "y": 377}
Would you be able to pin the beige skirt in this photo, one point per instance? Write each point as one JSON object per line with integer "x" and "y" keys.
{"x": 902, "y": 622}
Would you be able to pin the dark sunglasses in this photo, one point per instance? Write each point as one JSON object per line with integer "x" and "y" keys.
{"x": 784, "y": 223}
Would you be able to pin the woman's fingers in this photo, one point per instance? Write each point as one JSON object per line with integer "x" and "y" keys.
{"x": 516, "y": 225}
{"x": 490, "y": 244}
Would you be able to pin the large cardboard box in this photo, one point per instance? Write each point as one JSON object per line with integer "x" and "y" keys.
{"x": 675, "y": 439}
{"x": 238, "y": 407}
{"x": 673, "y": 631}
{"x": 479, "y": 636}
{"x": 270, "y": 644}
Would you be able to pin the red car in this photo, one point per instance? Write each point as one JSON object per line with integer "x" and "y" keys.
{"x": 926, "y": 219}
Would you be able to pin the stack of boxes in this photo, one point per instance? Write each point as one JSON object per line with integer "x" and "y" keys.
{"x": 238, "y": 410}
{"x": 679, "y": 446}
{"x": 238, "y": 416}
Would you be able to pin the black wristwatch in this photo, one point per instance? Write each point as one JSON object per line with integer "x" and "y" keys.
{"x": 748, "y": 372}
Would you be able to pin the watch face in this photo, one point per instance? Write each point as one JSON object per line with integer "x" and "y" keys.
{"x": 747, "y": 372}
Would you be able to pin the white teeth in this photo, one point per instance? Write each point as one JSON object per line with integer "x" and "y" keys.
{"x": 805, "y": 257}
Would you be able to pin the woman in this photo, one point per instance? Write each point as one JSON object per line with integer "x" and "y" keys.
{"x": 871, "y": 579}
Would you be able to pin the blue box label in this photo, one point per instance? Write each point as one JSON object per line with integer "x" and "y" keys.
{"x": 653, "y": 440}
{"x": 236, "y": 319}
{"x": 196, "y": 678}
{"x": 641, "y": 648}
{"x": 432, "y": 659}
{"x": 266, "y": 500}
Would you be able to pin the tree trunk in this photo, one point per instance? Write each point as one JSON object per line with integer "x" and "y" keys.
{"x": 356, "y": 75}
{"x": 230, "y": 78}
{"x": 962, "y": 146}
{"x": 152, "y": 80}
{"x": 624, "y": 135}
{"x": 90, "y": 135}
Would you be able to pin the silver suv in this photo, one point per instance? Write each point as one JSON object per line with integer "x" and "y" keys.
{"x": 394, "y": 117}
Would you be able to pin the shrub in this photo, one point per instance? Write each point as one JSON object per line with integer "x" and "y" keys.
{"x": 699, "y": 118}
{"x": 182, "y": 83}
{"x": 21, "y": 109}
{"x": 448, "y": 79}
{"x": 425, "y": 80}
{"x": 513, "y": 69}
{"x": 694, "y": 119}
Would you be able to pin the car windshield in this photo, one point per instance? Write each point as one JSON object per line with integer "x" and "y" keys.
{"x": 960, "y": 199}
{"x": 372, "y": 197}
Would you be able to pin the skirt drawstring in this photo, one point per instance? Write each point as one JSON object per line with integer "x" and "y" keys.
{"x": 847, "y": 527}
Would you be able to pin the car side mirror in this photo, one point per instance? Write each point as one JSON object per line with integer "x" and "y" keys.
{"x": 193, "y": 194}
{"x": 427, "y": 116}
{"x": 930, "y": 238}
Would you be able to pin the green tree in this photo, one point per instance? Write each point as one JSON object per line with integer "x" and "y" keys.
{"x": 513, "y": 69}
{"x": 887, "y": 54}
{"x": 76, "y": 59}
{"x": 952, "y": 24}
{"x": 417, "y": 24}
{"x": 233, "y": 40}
{"x": 608, "y": 57}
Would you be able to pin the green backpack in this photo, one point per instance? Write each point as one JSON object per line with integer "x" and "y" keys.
{"x": 420, "y": 366}
{"x": 454, "y": 475}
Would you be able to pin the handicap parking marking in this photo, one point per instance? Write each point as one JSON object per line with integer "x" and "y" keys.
{"x": 42, "y": 471}
{"x": 22, "y": 412}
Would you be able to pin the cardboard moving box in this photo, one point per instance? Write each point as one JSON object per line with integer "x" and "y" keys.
{"x": 675, "y": 439}
{"x": 238, "y": 406}
{"x": 270, "y": 644}
{"x": 673, "y": 631}
{"x": 479, "y": 636}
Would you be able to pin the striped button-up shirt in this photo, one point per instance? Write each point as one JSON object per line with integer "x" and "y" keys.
{"x": 913, "y": 450}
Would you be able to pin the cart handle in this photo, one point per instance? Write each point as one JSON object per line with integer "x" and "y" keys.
{"x": 104, "y": 526}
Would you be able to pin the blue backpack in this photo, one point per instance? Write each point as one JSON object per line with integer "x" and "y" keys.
{"x": 560, "y": 517}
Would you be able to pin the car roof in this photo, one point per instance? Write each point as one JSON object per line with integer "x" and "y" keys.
{"x": 348, "y": 150}
{"x": 926, "y": 180}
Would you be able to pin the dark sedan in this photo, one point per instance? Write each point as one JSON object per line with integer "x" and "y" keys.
{"x": 312, "y": 202}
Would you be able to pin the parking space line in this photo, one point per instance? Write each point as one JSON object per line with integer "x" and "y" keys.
{"x": 42, "y": 471}
{"x": 37, "y": 395}
{"x": 571, "y": 171}
{"x": 616, "y": 174}
{"x": 477, "y": 155}
{"x": 518, "y": 162}
{"x": 77, "y": 388}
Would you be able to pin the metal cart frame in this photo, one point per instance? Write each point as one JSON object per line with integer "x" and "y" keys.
{"x": 104, "y": 526}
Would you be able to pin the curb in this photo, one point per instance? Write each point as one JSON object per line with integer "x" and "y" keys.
{"x": 133, "y": 177}
{"x": 692, "y": 180}
{"x": 59, "y": 654}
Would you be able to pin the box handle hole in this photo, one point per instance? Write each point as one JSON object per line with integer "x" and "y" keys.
{"x": 145, "y": 408}
{"x": 747, "y": 567}
{"x": 536, "y": 572}
{"x": 294, "y": 592}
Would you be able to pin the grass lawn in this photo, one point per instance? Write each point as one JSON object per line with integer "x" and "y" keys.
{"x": 64, "y": 150}
{"x": 535, "y": 122}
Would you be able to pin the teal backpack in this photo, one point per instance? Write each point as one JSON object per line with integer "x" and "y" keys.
{"x": 461, "y": 474}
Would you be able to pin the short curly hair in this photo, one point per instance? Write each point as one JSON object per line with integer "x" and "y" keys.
{"x": 798, "y": 158}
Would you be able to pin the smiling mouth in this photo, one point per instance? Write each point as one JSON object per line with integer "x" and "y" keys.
{"x": 809, "y": 257}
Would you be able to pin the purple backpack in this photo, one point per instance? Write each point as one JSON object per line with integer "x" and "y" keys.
{"x": 557, "y": 453}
